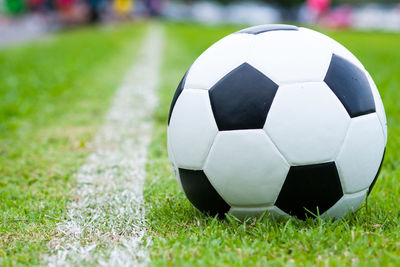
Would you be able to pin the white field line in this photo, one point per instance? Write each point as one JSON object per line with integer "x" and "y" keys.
{"x": 105, "y": 224}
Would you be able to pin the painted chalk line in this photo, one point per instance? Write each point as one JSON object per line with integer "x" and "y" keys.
{"x": 106, "y": 224}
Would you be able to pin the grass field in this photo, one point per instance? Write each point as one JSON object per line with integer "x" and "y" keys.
{"x": 54, "y": 100}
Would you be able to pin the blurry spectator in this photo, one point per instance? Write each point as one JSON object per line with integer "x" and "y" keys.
{"x": 36, "y": 5}
{"x": 123, "y": 8}
{"x": 72, "y": 12}
{"x": 154, "y": 7}
{"x": 317, "y": 8}
{"x": 94, "y": 10}
{"x": 341, "y": 17}
{"x": 15, "y": 7}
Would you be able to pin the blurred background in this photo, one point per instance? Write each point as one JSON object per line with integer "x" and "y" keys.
{"x": 26, "y": 19}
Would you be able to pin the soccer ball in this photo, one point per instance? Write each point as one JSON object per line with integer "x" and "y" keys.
{"x": 277, "y": 120}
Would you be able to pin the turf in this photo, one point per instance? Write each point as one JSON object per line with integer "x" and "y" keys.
{"x": 53, "y": 94}
{"x": 181, "y": 236}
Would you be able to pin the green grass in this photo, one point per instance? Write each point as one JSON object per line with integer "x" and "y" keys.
{"x": 53, "y": 98}
{"x": 181, "y": 236}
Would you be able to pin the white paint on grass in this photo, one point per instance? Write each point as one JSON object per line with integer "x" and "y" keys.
{"x": 105, "y": 223}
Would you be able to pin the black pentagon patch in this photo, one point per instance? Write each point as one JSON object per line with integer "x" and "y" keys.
{"x": 176, "y": 95}
{"x": 377, "y": 173}
{"x": 202, "y": 194}
{"x": 310, "y": 189}
{"x": 242, "y": 99}
{"x": 351, "y": 86}
{"x": 268, "y": 27}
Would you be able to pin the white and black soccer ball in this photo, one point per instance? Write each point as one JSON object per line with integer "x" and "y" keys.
{"x": 280, "y": 119}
